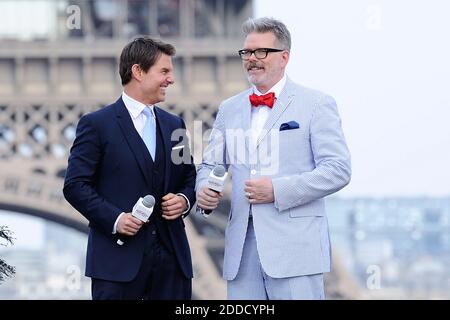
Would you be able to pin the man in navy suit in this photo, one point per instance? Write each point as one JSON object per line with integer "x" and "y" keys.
{"x": 125, "y": 151}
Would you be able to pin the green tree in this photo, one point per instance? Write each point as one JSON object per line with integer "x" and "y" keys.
{"x": 5, "y": 269}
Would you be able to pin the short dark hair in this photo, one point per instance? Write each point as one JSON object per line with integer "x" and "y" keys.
{"x": 143, "y": 51}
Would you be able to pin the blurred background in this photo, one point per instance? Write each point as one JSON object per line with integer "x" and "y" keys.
{"x": 385, "y": 62}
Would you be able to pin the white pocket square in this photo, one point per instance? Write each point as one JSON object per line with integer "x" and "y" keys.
{"x": 177, "y": 147}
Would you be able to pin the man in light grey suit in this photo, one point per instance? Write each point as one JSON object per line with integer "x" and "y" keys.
{"x": 286, "y": 151}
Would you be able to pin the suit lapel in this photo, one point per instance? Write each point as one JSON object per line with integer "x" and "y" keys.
{"x": 167, "y": 145}
{"x": 280, "y": 106}
{"x": 245, "y": 120}
{"x": 134, "y": 141}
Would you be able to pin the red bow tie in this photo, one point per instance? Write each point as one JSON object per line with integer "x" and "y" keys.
{"x": 263, "y": 100}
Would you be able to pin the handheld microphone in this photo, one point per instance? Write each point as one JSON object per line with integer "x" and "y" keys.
{"x": 216, "y": 182}
{"x": 142, "y": 210}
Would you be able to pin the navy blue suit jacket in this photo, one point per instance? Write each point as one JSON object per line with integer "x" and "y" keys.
{"x": 108, "y": 170}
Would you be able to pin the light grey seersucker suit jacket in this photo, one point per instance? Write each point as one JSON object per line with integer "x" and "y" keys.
{"x": 305, "y": 164}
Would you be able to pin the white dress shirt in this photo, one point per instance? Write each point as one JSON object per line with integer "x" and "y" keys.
{"x": 139, "y": 119}
{"x": 135, "y": 109}
{"x": 259, "y": 115}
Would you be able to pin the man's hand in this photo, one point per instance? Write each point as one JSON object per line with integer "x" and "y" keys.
{"x": 128, "y": 225}
{"x": 208, "y": 199}
{"x": 259, "y": 191}
{"x": 173, "y": 206}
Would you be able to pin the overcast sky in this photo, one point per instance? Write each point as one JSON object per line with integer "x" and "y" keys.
{"x": 387, "y": 65}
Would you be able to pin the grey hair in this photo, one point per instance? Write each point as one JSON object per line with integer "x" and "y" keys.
{"x": 265, "y": 24}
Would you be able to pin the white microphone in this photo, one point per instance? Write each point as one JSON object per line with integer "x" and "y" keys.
{"x": 142, "y": 210}
{"x": 216, "y": 182}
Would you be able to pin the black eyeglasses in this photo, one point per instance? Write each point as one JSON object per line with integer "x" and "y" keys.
{"x": 260, "y": 53}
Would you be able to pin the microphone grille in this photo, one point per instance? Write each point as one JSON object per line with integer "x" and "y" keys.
{"x": 219, "y": 171}
{"x": 148, "y": 201}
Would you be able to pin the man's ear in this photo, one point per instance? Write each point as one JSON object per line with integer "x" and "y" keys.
{"x": 285, "y": 56}
{"x": 136, "y": 72}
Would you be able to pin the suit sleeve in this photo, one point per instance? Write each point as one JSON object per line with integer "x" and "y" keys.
{"x": 189, "y": 172}
{"x": 331, "y": 157}
{"x": 215, "y": 152}
{"x": 79, "y": 184}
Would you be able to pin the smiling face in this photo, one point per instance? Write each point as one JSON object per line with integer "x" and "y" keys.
{"x": 264, "y": 73}
{"x": 150, "y": 87}
{"x": 154, "y": 82}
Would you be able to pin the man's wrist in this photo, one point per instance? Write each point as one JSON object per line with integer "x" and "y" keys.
{"x": 188, "y": 204}
{"x": 116, "y": 223}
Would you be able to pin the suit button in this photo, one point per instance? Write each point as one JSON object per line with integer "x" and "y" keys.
{"x": 253, "y": 172}
{"x": 154, "y": 232}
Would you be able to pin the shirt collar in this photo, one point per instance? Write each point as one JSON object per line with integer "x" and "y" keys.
{"x": 277, "y": 88}
{"x": 135, "y": 107}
